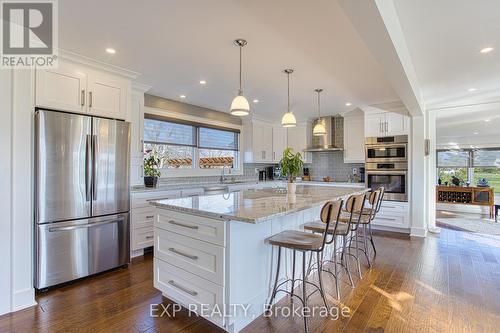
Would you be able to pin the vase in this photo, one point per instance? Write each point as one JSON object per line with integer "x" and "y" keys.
{"x": 150, "y": 181}
{"x": 292, "y": 187}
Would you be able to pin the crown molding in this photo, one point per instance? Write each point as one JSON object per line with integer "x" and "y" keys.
{"x": 96, "y": 64}
{"x": 140, "y": 87}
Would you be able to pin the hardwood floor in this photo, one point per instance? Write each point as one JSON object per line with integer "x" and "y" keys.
{"x": 445, "y": 283}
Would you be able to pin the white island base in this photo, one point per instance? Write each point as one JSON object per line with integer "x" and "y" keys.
{"x": 211, "y": 264}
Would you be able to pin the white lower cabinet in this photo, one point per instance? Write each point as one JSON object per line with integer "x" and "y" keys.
{"x": 189, "y": 261}
{"x": 195, "y": 293}
{"x": 393, "y": 214}
{"x": 141, "y": 238}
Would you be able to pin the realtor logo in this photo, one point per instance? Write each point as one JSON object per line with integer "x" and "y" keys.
{"x": 29, "y": 34}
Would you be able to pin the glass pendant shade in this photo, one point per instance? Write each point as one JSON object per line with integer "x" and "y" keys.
{"x": 319, "y": 129}
{"x": 240, "y": 106}
{"x": 288, "y": 120}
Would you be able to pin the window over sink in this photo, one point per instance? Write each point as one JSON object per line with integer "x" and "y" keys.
{"x": 189, "y": 145}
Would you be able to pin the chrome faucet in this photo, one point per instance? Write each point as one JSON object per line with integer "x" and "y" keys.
{"x": 222, "y": 176}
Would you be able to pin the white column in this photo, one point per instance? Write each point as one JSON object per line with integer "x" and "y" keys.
{"x": 5, "y": 189}
{"x": 431, "y": 164}
{"x": 23, "y": 293}
{"x": 418, "y": 175}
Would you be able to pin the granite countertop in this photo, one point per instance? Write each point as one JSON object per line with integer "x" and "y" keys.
{"x": 255, "y": 206}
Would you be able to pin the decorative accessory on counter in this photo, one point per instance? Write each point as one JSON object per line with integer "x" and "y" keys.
{"x": 288, "y": 119}
{"x": 291, "y": 165}
{"x": 151, "y": 169}
{"x": 483, "y": 182}
{"x": 240, "y": 106}
{"x": 319, "y": 129}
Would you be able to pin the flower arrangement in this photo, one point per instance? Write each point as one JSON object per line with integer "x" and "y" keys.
{"x": 151, "y": 168}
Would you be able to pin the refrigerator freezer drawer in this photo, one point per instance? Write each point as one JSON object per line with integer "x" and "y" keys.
{"x": 70, "y": 250}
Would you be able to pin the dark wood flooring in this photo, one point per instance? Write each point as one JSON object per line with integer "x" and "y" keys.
{"x": 448, "y": 282}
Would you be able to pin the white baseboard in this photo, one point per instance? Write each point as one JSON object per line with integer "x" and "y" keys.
{"x": 23, "y": 299}
{"x": 418, "y": 232}
{"x": 391, "y": 229}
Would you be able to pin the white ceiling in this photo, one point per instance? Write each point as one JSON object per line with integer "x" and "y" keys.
{"x": 176, "y": 43}
{"x": 444, "y": 39}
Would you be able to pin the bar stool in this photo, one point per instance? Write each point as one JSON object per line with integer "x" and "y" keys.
{"x": 304, "y": 242}
{"x": 355, "y": 202}
{"x": 367, "y": 215}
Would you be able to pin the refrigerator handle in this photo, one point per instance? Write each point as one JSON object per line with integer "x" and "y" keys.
{"x": 94, "y": 167}
{"x": 88, "y": 168}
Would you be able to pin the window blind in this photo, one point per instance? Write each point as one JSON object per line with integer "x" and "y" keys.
{"x": 166, "y": 132}
{"x": 453, "y": 158}
{"x": 211, "y": 138}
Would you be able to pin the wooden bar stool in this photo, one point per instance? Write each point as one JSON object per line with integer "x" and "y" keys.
{"x": 344, "y": 230}
{"x": 365, "y": 218}
{"x": 305, "y": 242}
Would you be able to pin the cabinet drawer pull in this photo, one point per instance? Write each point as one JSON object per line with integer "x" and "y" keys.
{"x": 385, "y": 218}
{"x": 194, "y": 227}
{"x": 190, "y": 256}
{"x": 390, "y": 207}
{"x": 150, "y": 237}
{"x": 150, "y": 216}
{"x": 184, "y": 289}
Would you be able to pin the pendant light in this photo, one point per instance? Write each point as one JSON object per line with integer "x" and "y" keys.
{"x": 288, "y": 119}
{"x": 319, "y": 129}
{"x": 240, "y": 106}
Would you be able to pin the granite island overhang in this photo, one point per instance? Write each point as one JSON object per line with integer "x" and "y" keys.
{"x": 210, "y": 251}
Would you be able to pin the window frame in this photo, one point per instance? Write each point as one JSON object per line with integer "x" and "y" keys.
{"x": 195, "y": 170}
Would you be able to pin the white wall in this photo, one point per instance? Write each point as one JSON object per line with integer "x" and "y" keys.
{"x": 419, "y": 222}
{"x": 5, "y": 187}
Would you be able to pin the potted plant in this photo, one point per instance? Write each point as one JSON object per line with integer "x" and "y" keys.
{"x": 291, "y": 165}
{"x": 151, "y": 169}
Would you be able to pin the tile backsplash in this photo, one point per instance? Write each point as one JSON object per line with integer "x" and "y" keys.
{"x": 331, "y": 164}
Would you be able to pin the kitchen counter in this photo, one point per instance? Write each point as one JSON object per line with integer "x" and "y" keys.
{"x": 257, "y": 205}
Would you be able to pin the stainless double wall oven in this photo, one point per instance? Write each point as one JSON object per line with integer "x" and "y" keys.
{"x": 387, "y": 165}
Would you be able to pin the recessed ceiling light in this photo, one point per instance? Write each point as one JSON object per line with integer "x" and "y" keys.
{"x": 487, "y": 50}
{"x": 476, "y": 133}
{"x": 471, "y": 89}
{"x": 452, "y": 143}
{"x": 255, "y": 101}
{"x": 203, "y": 82}
{"x": 182, "y": 96}
{"x": 487, "y": 120}
{"x": 110, "y": 50}
{"x": 348, "y": 104}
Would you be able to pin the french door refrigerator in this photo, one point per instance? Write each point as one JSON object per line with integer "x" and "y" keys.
{"x": 82, "y": 197}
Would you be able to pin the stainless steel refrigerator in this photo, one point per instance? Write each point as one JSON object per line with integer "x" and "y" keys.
{"x": 82, "y": 196}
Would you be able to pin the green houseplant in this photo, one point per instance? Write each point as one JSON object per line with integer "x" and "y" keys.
{"x": 151, "y": 168}
{"x": 291, "y": 166}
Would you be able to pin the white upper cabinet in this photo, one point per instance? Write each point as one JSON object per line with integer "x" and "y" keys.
{"x": 298, "y": 140}
{"x": 258, "y": 141}
{"x": 386, "y": 124}
{"x": 78, "y": 88}
{"x": 354, "y": 139}
{"x": 107, "y": 96}
{"x": 279, "y": 142}
{"x": 62, "y": 89}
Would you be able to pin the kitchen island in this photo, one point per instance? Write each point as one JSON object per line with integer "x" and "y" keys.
{"x": 211, "y": 254}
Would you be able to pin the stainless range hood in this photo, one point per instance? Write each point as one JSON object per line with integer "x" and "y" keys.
{"x": 333, "y": 140}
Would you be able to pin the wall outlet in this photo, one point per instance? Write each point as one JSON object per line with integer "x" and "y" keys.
{"x": 354, "y": 171}
{"x": 256, "y": 170}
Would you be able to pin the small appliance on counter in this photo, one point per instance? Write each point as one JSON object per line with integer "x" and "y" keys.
{"x": 277, "y": 173}
{"x": 262, "y": 175}
{"x": 270, "y": 173}
{"x": 307, "y": 175}
{"x": 362, "y": 174}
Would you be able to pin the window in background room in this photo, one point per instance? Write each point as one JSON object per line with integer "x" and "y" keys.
{"x": 453, "y": 163}
{"x": 486, "y": 164}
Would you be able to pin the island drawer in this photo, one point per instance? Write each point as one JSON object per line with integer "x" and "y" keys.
{"x": 142, "y": 217}
{"x": 188, "y": 289}
{"x": 141, "y": 238}
{"x": 195, "y": 256}
{"x": 202, "y": 228}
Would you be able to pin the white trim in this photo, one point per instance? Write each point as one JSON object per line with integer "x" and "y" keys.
{"x": 96, "y": 64}
{"x": 197, "y": 172}
{"x": 23, "y": 299}
{"x": 418, "y": 232}
{"x": 138, "y": 87}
